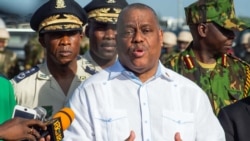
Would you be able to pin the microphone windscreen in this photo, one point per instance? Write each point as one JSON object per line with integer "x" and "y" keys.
{"x": 66, "y": 115}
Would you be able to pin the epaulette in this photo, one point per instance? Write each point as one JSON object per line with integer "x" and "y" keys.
{"x": 78, "y": 57}
{"x": 90, "y": 71}
{"x": 25, "y": 74}
{"x": 247, "y": 82}
{"x": 237, "y": 58}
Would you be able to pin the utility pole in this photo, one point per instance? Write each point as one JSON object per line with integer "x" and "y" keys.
{"x": 180, "y": 10}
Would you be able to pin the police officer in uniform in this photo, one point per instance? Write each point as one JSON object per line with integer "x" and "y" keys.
{"x": 101, "y": 31}
{"x": 8, "y": 59}
{"x": 59, "y": 24}
{"x": 223, "y": 77}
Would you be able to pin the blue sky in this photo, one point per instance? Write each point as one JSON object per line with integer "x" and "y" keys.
{"x": 168, "y": 8}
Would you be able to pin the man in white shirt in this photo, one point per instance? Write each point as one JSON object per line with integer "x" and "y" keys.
{"x": 139, "y": 94}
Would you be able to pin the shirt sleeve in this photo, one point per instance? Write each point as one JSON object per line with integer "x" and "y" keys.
{"x": 80, "y": 128}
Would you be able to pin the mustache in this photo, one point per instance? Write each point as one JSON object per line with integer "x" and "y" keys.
{"x": 138, "y": 47}
{"x": 108, "y": 44}
{"x": 65, "y": 48}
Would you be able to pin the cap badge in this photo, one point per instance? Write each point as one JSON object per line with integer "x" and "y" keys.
{"x": 111, "y": 1}
{"x": 60, "y": 4}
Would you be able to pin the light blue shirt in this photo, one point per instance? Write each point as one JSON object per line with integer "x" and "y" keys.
{"x": 114, "y": 101}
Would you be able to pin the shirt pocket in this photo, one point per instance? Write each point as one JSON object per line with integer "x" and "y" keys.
{"x": 181, "y": 122}
{"x": 111, "y": 126}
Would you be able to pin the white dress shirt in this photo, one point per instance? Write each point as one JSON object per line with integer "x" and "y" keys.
{"x": 114, "y": 101}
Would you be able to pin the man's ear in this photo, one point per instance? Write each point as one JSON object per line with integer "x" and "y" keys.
{"x": 81, "y": 34}
{"x": 202, "y": 29}
{"x": 161, "y": 36}
{"x": 87, "y": 31}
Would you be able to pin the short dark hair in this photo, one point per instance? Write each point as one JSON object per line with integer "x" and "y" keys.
{"x": 139, "y": 6}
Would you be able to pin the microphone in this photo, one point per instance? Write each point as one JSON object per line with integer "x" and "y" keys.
{"x": 67, "y": 116}
{"x": 60, "y": 121}
{"x": 40, "y": 113}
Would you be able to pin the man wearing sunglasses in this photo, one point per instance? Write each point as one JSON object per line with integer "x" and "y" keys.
{"x": 206, "y": 61}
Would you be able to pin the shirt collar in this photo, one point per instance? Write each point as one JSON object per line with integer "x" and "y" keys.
{"x": 44, "y": 72}
{"x": 46, "y": 75}
{"x": 117, "y": 69}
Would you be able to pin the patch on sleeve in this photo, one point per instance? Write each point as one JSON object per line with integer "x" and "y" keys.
{"x": 25, "y": 74}
{"x": 49, "y": 110}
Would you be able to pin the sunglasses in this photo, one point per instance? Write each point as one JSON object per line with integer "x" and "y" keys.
{"x": 226, "y": 32}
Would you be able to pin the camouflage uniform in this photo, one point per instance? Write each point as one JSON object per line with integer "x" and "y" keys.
{"x": 229, "y": 80}
{"x": 224, "y": 84}
{"x": 34, "y": 53}
{"x": 169, "y": 44}
{"x": 8, "y": 59}
{"x": 8, "y": 63}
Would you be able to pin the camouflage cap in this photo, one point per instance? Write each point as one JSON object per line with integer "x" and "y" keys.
{"x": 219, "y": 11}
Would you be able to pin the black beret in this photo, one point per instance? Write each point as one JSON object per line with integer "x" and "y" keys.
{"x": 58, "y": 15}
{"x": 105, "y": 11}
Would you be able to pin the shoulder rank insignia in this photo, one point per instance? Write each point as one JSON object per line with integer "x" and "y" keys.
{"x": 247, "y": 82}
{"x": 188, "y": 61}
{"x": 224, "y": 60}
{"x": 25, "y": 74}
{"x": 78, "y": 57}
{"x": 90, "y": 71}
{"x": 238, "y": 59}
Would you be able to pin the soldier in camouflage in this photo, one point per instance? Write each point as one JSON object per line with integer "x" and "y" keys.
{"x": 8, "y": 59}
{"x": 34, "y": 53}
{"x": 206, "y": 61}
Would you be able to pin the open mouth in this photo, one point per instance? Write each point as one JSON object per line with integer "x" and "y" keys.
{"x": 138, "y": 52}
